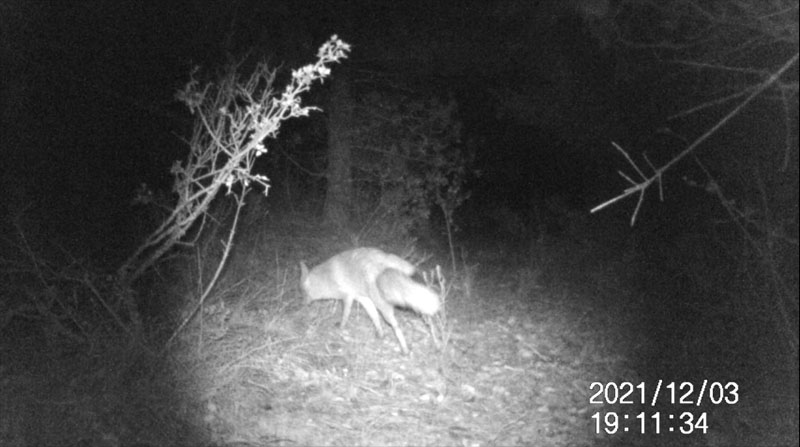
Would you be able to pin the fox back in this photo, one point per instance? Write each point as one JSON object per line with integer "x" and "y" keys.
{"x": 377, "y": 280}
{"x": 349, "y": 273}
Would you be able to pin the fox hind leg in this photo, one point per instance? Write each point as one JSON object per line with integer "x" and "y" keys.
{"x": 387, "y": 310}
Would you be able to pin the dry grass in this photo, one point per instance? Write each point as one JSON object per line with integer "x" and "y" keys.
{"x": 511, "y": 361}
{"x": 506, "y": 368}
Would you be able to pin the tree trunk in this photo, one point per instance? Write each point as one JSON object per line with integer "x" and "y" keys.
{"x": 339, "y": 193}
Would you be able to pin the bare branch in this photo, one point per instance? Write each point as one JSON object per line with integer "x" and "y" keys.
{"x": 657, "y": 173}
{"x": 233, "y": 120}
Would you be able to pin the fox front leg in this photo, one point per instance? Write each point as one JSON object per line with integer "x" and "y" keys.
{"x": 348, "y": 304}
{"x": 372, "y": 312}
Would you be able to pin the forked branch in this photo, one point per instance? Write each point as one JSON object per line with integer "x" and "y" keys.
{"x": 645, "y": 181}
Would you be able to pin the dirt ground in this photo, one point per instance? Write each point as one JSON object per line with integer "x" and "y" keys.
{"x": 519, "y": 357}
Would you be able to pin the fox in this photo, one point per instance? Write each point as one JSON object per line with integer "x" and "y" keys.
{"x": 377, "y": 280}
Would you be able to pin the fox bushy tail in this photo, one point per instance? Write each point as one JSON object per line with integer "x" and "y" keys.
{"x": 401, "y": 291}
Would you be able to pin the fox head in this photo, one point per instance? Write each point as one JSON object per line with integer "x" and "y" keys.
{"x": 323, "y": 282}
{"x": 316, "y": 284}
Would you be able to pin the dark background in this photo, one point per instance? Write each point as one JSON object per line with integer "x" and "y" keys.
{"x": 543, "y": 89}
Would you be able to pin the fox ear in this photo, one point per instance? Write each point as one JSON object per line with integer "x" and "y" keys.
{"x": 303, "y": 270}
